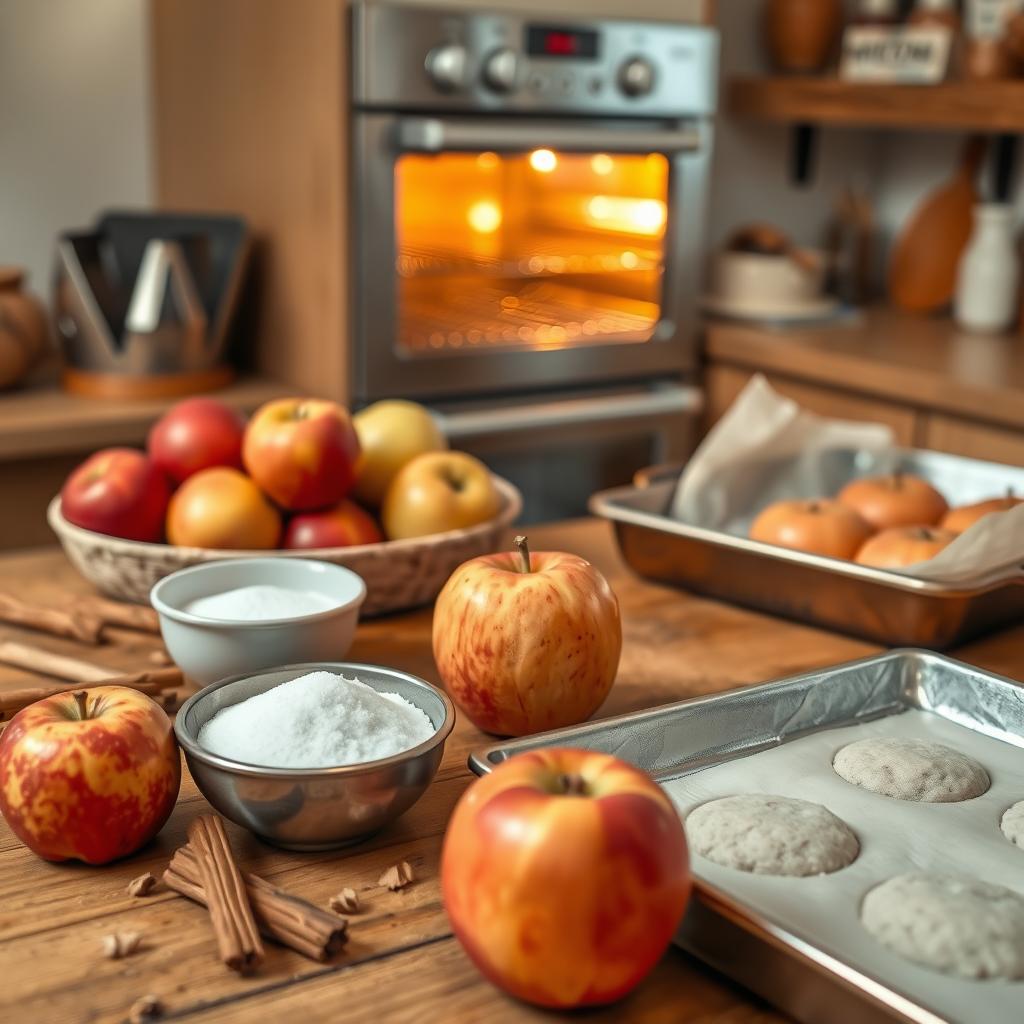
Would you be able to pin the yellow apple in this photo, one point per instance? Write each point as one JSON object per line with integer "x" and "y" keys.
{"x": 439, "y": 491}
{"x": 391, "y": 434}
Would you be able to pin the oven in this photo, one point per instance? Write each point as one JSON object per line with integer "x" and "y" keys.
{"x": 528, "y": 197}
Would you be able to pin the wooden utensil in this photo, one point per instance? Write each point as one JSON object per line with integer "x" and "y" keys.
{"x": 768, "y": 240}
{"x": 922, "y": 271}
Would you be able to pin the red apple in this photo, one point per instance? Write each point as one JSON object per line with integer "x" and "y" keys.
{"x": 343, "y": 526}
{"x": 527, "y": 642}
{"x": 196, "y": 434}
{"x": 91, "y": 775}
{"x": 565, "y": 874}
{"x": 302, "y": 451}
{"x": 117, "y": 491}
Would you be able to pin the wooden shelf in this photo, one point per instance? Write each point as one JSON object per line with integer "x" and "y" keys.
{"x": 42, "y": 420}
{"x": 953, "y": 106}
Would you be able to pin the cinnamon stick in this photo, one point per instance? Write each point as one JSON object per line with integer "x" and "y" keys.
{"x": 128, "y": 616}
{"x": 280, "y": 915}
{"x": 12, "y": 701}
{"x": 36, "y": 659}
{"x": 226, "y": 896}
{"x": 72, "y": 623}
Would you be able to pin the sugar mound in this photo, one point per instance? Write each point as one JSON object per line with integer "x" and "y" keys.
{"x": 320, "y": 720}
{"x": 262, "y": 601}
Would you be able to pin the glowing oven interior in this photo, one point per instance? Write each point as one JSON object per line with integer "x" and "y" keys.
{"x": 535, "y": 250}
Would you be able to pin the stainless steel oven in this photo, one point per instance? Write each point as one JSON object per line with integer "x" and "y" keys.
{"x": 528, "y": 199}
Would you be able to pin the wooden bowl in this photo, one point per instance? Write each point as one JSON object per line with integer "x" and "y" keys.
{"x": 398, "y": 573}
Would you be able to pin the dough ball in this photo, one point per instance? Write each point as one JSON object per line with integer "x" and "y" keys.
{"x": 911, "y": 770}
{"x": 771, "y": 835}
{"x": 1012, "y": 824}
{"x": 953, "y": 924}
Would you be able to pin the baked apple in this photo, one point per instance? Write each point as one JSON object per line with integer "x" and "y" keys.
{"x": 820, "y": 526}
{"x": 962, "y": 518}
{"x": 897, "y": 499}
{"x": 900, "y": 546}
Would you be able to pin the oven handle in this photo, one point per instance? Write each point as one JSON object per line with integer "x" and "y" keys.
{"x": 569, "y": 412}
{"x": 435, "y": 135}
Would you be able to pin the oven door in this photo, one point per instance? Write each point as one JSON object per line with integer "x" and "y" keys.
{"x": 505, "y": 254}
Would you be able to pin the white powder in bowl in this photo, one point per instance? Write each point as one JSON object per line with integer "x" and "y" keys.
{"x": 264, "y": 601}
{"x": 320, "y": 720}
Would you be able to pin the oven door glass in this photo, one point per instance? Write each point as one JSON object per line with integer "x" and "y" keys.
{"x": 528, "y": 250}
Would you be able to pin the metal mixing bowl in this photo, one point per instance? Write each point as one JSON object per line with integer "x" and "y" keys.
{"x": 315, "y": 808}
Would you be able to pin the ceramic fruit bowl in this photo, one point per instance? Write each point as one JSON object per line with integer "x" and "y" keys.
{"x": 398, "y": 573}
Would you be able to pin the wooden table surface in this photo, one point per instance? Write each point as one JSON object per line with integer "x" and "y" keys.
{"x": 402, "y": 962}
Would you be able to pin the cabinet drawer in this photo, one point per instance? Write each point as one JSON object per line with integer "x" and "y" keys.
{"x": 962, "y": 437}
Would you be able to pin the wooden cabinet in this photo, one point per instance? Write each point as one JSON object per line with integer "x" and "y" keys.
{"x": 977, "y": 440}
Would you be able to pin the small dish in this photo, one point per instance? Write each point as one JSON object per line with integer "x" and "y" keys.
{"x": 208, "y": 649}
{"x": 321, "y": 808}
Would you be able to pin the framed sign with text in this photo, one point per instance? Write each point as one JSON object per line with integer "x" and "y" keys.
{"x": 907, "y": 54}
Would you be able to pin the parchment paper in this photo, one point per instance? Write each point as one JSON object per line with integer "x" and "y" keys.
{"x": 895, "y": 836}
{"x": 730, "y": 473}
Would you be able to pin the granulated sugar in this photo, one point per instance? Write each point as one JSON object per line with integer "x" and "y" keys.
{"x": 320, "y": 720}
{"x": 263, "y": 601}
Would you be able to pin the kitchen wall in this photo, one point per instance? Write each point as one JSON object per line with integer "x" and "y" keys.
{"x": 74, "y": 122}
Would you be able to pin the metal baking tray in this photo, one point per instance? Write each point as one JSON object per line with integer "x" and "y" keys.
{"x": 887, "y": 607}
{"x": 795, "y": 968}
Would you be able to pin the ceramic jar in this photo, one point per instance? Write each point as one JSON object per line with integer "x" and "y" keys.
{"x": 989, "y": 272}
{"x": 22, "y": 327}
{"x": 802, "y": 34}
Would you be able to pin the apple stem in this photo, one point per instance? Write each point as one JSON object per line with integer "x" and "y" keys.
{"x": 524, "y": 553}
{"x": 897, "y": 479}
{"x": 573, "y": 784}
{"x": 81, "y": 699}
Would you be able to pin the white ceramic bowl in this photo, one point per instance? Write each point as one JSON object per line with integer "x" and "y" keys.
{"x": 758, "y": 279}
{"x": 209, "y": 649}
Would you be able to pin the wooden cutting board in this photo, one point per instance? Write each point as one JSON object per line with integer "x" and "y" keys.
{"x": 925, "y": 257}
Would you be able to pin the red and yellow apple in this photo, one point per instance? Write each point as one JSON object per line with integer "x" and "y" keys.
{"x": 302, "y": 451}
{"x": 343, "y": 526}
{"x": 897, "y": 499}
{"x": 222, "y": 508}
{"x": 964, "y": 517}
{"x": 439, "y": 491}
{"x": 901, "y": 546}
{"x": 820, "y": 526}
{"x": 196, "y": 434}
{"x": 120, "y": 492}
{"x": 91, "y": 775}
{"x": 565, "y": 874}
{"x": 391, "y": 433}
{"x": 526, "y": 642}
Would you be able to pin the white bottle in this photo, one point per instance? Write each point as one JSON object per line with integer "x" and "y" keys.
{"x": 989, "y": 272}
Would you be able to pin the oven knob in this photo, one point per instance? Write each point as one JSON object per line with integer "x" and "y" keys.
{"x": 636, "y": 76}
{"x": 501, "y": 70}
{"x": 446, "y": 66}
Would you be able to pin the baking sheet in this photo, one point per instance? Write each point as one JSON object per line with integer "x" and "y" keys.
{"x": 896, "y": 836}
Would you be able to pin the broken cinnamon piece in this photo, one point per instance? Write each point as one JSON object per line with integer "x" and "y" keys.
{"x": 281, "y": 915}
{"x": 145, "y": 1009}
{"x": 121, "y": 944}
{"x": 141, "y": 886}
{"x": 73, "y": 624}
{"x": 345, "y": 902}
{"x": 127, "y": 616}
{"x": 398, "y": 876}
{"x": 225, "y": 895}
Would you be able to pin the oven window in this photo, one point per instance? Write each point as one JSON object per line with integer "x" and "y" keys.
{"x": 533, "y": 250}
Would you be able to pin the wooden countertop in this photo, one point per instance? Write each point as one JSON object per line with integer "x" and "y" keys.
{"x": 402, "y": 962}
{"x": 917, "y": 361}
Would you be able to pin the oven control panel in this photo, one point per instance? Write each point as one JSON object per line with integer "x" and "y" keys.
{"x": 414, "y": 57}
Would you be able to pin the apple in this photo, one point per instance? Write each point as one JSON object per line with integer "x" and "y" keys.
{"x": 222, "y": 508}
{"x": 898, "y": 499}
{"x": 196, "y": 434}
{"x": 343, "y": 526}
{"x": 117, "y": 491}
{"x": 302, "y": 451}
{"x": 820, "y": 526}
{"x": 90, "y": 775}
{"x": 901, "y": 546}
{"x": 439, "y": 491}
{"x": 391, "y": 433}
{"x": 526, "y": 642}
{"x": 964, "y": 517}
{"x": 565, "y": 874}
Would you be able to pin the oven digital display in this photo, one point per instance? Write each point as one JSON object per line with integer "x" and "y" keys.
{"x": 557, "y": 41}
